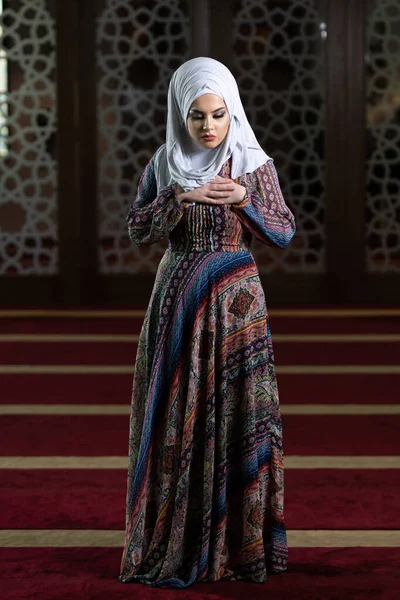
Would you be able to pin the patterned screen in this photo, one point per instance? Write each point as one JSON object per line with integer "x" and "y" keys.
{"x": 383, "y": 137}
{"x": 278, "y": 59}
{"x": 28, "y": 196}
{"x": 139, "y": 45}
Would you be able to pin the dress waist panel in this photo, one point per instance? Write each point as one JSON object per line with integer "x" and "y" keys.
{"x": 209, "y": 228}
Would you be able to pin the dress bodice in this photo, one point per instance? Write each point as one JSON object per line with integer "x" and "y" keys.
{"x": 263, "y": 214}
{"x": 210, "y": 227}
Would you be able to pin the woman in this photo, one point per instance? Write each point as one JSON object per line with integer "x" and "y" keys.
{"x": 205, "y": 479}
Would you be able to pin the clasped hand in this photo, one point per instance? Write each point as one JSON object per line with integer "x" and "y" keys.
{"x": 219, "y": 191}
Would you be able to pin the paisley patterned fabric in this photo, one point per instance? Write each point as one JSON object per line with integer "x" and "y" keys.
{"x": 205, "y": 475}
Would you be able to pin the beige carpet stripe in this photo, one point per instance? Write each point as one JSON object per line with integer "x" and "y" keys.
{"x": 61, "y": 337}
{"x": 335, "y": 338}
{"x": 65, "y": 409}
{"x": 128, "y": 369}
{"x": 335, "y": 312}
{"x": 320, "y": 538}
{"x": 60, "y": 538}
{"x": 64, "y": 462}
{"x": 95, "y": 538}
{"x": 281, "y": 312}
{"x": 338, "y": 369}
{"x": 121, "y": 462}
{"x": 66, "y": 369}
{"x": 71, "y": 314}
{"x": 340, "y": 409}
{"x": 124, "y": 409}
{"x": 132, "y": 338}
{"x": 342, "y": 462}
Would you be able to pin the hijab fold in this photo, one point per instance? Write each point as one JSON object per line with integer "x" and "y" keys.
{"x": 181, "y": 160}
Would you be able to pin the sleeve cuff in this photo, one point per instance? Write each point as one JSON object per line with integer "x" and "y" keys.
{"x": 243, "y": 203}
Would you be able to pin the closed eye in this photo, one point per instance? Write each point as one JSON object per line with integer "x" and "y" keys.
{"x": 201, "y": 118}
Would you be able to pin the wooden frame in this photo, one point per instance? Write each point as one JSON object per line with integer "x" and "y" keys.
{"x": 346, "y": 148}
{"x": 69, "y": 205}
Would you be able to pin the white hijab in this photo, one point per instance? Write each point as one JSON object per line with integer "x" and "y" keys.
{"x": 183, "y": 161}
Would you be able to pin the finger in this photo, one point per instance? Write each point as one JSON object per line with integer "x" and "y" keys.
{"x": 221, "y": 188}
{"x": 220, "y": 182}
{"x": 219, "y": 179}
{"x": 225, "y": 183}
{"x": 225, "y": 194}
{"x": 218, "y": 195}
{"x": 216, "y": 201}
{"x": 209, "y": 200}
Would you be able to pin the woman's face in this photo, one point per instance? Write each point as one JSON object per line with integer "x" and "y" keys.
{"x": 208, "y": 121}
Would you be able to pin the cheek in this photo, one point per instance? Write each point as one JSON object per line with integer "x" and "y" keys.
{"x": 191, "y": 127}
{"x": 224, "y": 128}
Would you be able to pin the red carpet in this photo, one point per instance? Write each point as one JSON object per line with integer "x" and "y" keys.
{"x": 90, "y": 573}
{"x": 315, "y": 499}
{"x": 63, "y": 499}
{"x": 339, "y": 389}
{"x": 388, "y": 325}
{"x": 67, "y": 353}
{"x": 104, "y": 388}
{"x": 129, "y": 324}
{"x": 117, "y": 353}
{"x": 342, "y": 499}
{"x": 126, "y": 326}
{"x": 106, "y": 435}
{"x": 335, "y": 435}
{"x": 101, "y": 388}
{"x": 363, "y": 353}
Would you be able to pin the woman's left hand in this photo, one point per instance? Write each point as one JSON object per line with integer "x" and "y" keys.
{"x": 238, "y": 193}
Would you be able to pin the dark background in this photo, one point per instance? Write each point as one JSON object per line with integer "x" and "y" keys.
{"x": 329, "y": 66}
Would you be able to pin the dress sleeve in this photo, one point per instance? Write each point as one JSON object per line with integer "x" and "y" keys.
{"x": 263, "y": 210}
{"x": 152, "y": 216}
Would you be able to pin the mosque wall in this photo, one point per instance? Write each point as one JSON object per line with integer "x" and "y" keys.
{"x": 83, "y": 106}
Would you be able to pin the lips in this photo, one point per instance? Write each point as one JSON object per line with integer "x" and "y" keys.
{"x": 208, "y": 138}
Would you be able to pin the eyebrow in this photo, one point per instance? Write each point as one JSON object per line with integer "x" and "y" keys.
{"x": 212, "y": 112}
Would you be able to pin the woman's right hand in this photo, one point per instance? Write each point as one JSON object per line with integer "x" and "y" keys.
{"x": 214, "y": 192}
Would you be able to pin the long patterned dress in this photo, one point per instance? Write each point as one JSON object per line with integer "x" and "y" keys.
{"x": 205, "y": 477}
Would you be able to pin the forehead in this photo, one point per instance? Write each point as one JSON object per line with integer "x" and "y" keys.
{"x": 207, "y": 103}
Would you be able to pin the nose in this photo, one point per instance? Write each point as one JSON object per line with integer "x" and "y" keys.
{"x": 207, "y": 124}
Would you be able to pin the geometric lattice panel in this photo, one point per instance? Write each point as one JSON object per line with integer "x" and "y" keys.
{"x": 28, "y": 194}
{"x": 139, "y": 46}
{"x": 279, "y": 63}
{"x": 383, "y": 137}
